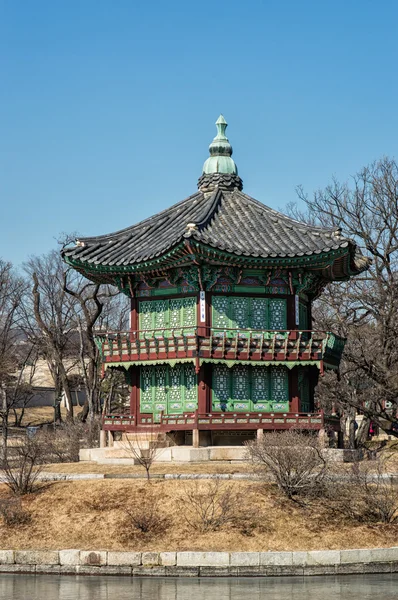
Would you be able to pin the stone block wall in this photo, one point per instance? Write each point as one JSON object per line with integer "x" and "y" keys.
{"x": 200, "y": 564}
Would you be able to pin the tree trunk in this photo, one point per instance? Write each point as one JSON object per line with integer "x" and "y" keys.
{"x": 363, "y": 431}
{"x": 351, "y": 433}
{"x": 67, "y": 392}
{"x": 4, "y": 423}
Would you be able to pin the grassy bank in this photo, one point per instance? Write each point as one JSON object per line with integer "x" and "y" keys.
{"x": 92, "y": 514}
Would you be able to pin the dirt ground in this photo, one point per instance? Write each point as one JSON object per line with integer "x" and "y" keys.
{"x": 93, "y": 515}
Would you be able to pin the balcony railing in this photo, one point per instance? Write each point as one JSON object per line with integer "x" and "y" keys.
{"x": 219, "y": 421}
{"x": 229, "y": 344}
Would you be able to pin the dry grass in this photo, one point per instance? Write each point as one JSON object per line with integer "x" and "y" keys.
{"x": 40, "y": 414}
{"x": 161, "y": 468}
{"x": 91, "y": 515}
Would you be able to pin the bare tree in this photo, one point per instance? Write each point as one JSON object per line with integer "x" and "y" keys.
{"x": 11, "y": 292}
{"x": 365, "y": 308}
{"x": 49, "y": 321}
{"x": 95, "y": 307}
{"x": 144, "y": 448}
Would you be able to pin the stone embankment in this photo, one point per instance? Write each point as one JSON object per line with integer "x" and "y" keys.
{"x": 200, "y": 564}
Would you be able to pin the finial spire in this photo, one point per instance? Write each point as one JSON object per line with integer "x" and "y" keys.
{"x": 221, "y": 125}
{"x": 220, "y": 149}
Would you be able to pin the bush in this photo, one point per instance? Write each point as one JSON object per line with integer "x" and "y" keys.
{"x": 12, "y": 512}
{"x": 294, "y": 460}
{"x": 145, "y": 517}
{"x": 21, "y": 472}
{"x": 212, "y": 504}
{"x": 369, "y": 495}
{"x": 64, "y": 444}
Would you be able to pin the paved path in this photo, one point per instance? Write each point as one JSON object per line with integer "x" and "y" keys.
{"x": 181, "y": 476}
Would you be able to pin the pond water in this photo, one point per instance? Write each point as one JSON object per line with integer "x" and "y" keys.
{"x": 49, "y": 587}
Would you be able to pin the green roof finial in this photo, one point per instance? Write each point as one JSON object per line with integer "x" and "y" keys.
{"x": 220, "y": 160}
{"x": 221, "y": 125}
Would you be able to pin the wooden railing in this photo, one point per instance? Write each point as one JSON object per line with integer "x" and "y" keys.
{"x": 228, "y": 344}
{"x": 223, "y": 421}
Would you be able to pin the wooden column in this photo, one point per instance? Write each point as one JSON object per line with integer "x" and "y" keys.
{"x": 134, "y": 392}
{"x": 291, "y": 313}
{"x": 294, "y": 391}
{"x": 134, "y": 325}
{"x": 203, "y": 390}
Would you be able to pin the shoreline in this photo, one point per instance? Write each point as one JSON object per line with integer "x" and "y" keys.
{"x": 200, "y": 564}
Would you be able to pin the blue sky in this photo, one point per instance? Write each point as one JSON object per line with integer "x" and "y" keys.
{"x": 107, "y": 107}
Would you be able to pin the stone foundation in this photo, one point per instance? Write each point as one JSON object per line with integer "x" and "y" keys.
{"x": 118, "y": 455}
{"x": 200, "y": 564}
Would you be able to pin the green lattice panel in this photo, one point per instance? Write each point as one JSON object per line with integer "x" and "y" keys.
{"x": 220, "y": 312}
{"x": 221, "y": 388}
{"x": 160, "y": 399}
{"x": 279, "y": 389}
{"x": 175, "y": 313}
{"x": 259, "y": 313}
{"x": 146, "y": 389}
{"x": 175, "y": 390}
{"x": 167, "y": 389}
{"x": 189, "y": 313}
{"x": 240, "y": 387}
{"x": 239, "y": 313}
{"x": 160, "y": 310}
{"x": 146, "y": 316}
{"x": 190, "y": 388}
{"x": 277, "y": 314}
{"x": 260, "y": 389}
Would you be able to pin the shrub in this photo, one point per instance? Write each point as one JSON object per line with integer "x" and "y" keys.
{"x": 13, "y": 513}
{"x": 64, "y": 444}
{"x": 144, "y": 516}
{"x": 21, "y": 472}
{"x": 209, "y": 505}
{"x": 369, "y": 495}
{"x": 294, "y": 460}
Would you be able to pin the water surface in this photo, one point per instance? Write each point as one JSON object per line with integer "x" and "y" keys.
{"x": 55, "y": 587}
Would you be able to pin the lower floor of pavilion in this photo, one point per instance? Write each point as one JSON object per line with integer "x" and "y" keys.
{"x": 229, "y": 398}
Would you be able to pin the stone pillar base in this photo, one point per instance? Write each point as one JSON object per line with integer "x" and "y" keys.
{"x": 102, "y": 438}
{"x": 195, "y": 438}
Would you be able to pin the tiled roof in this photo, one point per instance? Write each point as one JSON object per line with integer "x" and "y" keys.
{"x": 226, "y": 219}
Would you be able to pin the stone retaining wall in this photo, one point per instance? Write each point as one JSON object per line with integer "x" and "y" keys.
{"x": 200, "y": 564}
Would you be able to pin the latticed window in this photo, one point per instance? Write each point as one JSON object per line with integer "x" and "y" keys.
{"x": 166, "y": 316}
{"x": 168, "y": 389}
{"x": 247, "y": 388}
{"x": 249, "y": 313}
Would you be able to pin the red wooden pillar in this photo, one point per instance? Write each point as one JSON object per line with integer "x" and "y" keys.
{"x": 294, "y": 391}
{"x": 135, "y": 391}
{"x": 202, "y": 391}
{"x": 292, "y": 312}
{"x": 133, "y": 314}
